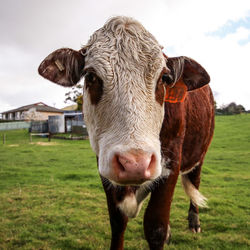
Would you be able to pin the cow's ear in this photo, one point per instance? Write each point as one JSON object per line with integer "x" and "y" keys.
{"x": 191, "y": 72}
{"x": 63, "y": 66}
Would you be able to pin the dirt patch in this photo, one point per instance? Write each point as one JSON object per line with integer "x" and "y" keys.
{"x": 45, "y": 143}
{"x": 13, "y": 145}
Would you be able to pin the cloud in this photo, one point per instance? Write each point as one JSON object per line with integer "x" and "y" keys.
{"x": 231, "y": 68}
{"x": 193, "y": 31}
{"x": 215, "y": 33}
{"x": 231, "y": 27}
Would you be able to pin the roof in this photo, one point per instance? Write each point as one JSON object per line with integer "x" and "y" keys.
{"x": 70, "y": 108}
{"x": 72, "y": 113}
{"x": 40, "y": 106}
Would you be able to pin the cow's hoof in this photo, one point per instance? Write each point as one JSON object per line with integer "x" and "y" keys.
{"x": 195, "y": 229}
{"x": 168, "y": 238}
{"x": 194, "y": 222}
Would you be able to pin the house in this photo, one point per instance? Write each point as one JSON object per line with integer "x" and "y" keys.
{"x": 37, "y": 111}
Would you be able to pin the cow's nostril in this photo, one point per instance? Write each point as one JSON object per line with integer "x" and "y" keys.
{"x": 152, "y": 163}
{"x": 120, "y": 165}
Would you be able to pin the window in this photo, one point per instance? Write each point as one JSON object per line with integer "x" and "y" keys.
{"x": 17, "y": 116}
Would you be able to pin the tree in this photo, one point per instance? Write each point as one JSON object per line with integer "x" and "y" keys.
{"x": 231, "y": 109}
{"x": 240, "y": 109}
{"x": 75, "y": 95}
{"x": 215, "y": 105}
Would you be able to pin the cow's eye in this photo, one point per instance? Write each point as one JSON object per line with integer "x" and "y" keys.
{"x": 94, "y": 86}
{"x": 90, "y": 79}
{"x": 166, "y": 78}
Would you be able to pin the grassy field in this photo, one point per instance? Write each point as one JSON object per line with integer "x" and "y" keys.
{"x": 51, "y": 195}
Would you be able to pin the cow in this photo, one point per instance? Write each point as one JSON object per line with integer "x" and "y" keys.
{"x": 150, "y": 118}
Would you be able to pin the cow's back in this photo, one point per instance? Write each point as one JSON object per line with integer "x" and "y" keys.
{"x": 199, "y": 117}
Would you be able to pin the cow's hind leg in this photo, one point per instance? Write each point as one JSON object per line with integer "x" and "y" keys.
{"x": 191, "y": 183}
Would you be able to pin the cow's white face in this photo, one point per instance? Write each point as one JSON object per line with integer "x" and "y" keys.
{"x": 123, "y": 114}
{"x": 125, "y": 79}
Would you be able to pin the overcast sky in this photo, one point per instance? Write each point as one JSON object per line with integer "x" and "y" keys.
{"x": 216, "y": 33}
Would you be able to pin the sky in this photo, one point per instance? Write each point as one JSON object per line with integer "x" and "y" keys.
{"x": 216, "y": 33}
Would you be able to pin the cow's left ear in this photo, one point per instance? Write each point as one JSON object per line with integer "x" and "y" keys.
{"x": 63, "y": 66}
{"x": 191, "y": 72}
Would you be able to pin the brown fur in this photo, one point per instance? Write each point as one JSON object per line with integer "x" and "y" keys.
{"x": 95, "y": 87}
{"x": 185, "y": 136}
{"x": 159, "y": 91}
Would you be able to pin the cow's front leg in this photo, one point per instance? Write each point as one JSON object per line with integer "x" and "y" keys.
{"x": 118, "y": 223}
{"x": 156, "y": 218}
{"x": 118, "y": 220}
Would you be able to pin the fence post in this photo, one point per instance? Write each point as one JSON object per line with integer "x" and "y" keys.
{"x": 4, "y": 138}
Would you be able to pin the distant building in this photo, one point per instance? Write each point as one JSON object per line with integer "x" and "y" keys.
{"x": 73, "y": 117}
{"x": 37, "y": 111}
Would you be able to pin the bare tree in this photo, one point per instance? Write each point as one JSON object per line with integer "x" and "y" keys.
{"x": 75, "y": 95}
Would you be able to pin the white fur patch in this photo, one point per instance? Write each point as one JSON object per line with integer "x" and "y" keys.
{"x": 129, "y": 206}
{"x": 132, "y": 203}
{"x": 168, "y": 160}
{"x": 165, "y": 172}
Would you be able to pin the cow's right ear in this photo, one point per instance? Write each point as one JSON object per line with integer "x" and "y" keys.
{"x": 63, "y": 66}
{"x": 191, "y": 72}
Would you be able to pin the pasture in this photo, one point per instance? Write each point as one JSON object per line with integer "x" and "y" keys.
{"x": 51, "y": 196}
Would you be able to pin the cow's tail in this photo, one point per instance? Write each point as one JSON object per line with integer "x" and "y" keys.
{"x": 192, "y": 192}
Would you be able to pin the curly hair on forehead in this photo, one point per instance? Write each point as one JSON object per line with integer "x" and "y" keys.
{"x": 125, "y": 42}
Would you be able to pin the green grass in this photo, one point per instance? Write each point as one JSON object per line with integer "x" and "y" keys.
{"x": 51, "y": 196}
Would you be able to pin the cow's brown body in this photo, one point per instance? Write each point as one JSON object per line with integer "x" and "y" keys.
{"x": 185, "y": 136}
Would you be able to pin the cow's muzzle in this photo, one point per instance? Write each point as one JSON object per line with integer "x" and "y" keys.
{"x": 133, "y": 167}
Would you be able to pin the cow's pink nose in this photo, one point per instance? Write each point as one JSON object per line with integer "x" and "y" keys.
{"x": 134, "y": 167}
